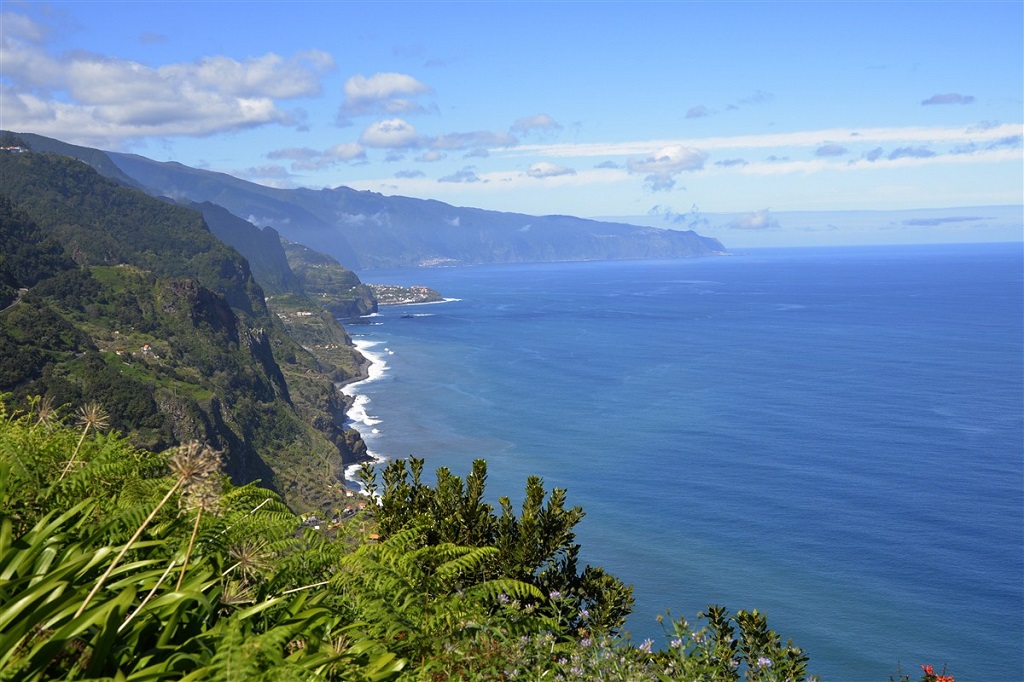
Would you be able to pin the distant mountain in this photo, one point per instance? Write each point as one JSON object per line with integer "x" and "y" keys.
{"x": 367, "y": 230}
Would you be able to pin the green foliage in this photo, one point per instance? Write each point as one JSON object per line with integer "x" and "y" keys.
{"x": 99, "y": 222}
{"x": 730, "y": 648}
{"x": 125, "y": 564}
{"x": 418, "y": 596}
{"x": 537, "y": 547}
{"x": 123, "y": 571}
{"x": 28, "y": 255}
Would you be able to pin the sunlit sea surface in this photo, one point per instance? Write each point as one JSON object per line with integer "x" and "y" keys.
{"x": 831, "y": 436}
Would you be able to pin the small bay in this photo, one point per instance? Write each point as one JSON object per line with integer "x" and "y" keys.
{"x": 831, "y": 436}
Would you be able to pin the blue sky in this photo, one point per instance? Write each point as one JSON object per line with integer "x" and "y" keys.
{"x": 583, "y": 108}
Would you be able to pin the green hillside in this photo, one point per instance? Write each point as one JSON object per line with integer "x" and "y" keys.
{"x": 133, "y": 303}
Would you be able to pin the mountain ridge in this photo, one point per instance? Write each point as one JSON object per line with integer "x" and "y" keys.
{"x": 366, "y": 230}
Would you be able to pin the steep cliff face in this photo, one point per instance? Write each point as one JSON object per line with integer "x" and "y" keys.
{"x": 337, "y": 289}
{"x": 135, "y": 305}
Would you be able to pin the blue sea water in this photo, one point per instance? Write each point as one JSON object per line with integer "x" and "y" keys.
{"x": 831, "y": 436}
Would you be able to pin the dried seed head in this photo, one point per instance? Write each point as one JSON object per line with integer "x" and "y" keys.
{"x": 46, "y": 412}
{"x": 193, "y": 463}
{"x": 250, "y": 559}
{"x": 197, "y": 469}
{"x": 92, "y": 416}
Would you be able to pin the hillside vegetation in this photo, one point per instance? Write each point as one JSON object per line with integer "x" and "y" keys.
{"x": 120, "y": 563}
{"x": 118, "y": 298}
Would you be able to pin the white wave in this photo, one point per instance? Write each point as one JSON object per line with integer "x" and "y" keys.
{"x": 352, "y": 471}
{"x": 447, "y": 300}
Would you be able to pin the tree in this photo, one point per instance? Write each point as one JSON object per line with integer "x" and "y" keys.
{"x": 537, "y": 546}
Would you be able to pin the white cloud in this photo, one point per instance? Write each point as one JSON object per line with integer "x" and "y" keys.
{"x": 804, "y": 138}
{"x": 543, "y": 169}
{"x": 875, "y": 160}
{"x": 392, "y": 134}
{"x": 268, "y": 76}
{"x": 383, "y": 93}
{"x": 662, "y": 166}
{"x": 758, "y": 220}
{"x": 306, "y": 159}
{"x": 467, "y": 174}
{"x": 89, "y": 98}
{"x": 346, "y": 151}
{"x": 528, "y": 124}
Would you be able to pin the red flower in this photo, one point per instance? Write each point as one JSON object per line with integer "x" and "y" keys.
{"x": 943, "y": 678}
{"x": 928, "y": 670}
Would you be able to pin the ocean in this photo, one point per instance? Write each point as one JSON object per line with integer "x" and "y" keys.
{"x": 831, "y": 436}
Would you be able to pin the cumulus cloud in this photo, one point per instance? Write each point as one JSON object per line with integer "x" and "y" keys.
{"x": 731, "y": 163}
{"x": 949, "y": 98}
{"x": 662, "y": 166}
{"x": 346, "y": 151}
{"x": 758, "y": 220}
{"x": 828, "y": 150}
{"x": 543, "y": 169}
{"x": 392, "y": 133}
{"x": 383, "y": 93}
{"x": 467, "y": 174}
{"x": 699, "y": 111}
{"x": 525, "y": 126}
{"x": 410, "y": 174}
{"x": 268, "y": 76}
{"x": 92, "y": 98}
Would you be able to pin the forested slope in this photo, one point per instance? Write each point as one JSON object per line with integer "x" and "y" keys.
{"x": 133, "y": 303}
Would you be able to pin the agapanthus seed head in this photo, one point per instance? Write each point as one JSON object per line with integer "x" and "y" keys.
{"x": 93, "y": 416}
{"x": 193, "y": 462}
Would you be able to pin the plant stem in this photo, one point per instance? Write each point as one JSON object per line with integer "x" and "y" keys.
{"x": 188, "y": 552}
{"x": 124, "y": 550}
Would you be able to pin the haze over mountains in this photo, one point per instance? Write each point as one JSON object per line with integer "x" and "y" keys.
{"x": 367, "y": 230}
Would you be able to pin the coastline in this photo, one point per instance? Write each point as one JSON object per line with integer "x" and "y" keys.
{"x": 356, "y": 416}
{"x": 373, "y": 367}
